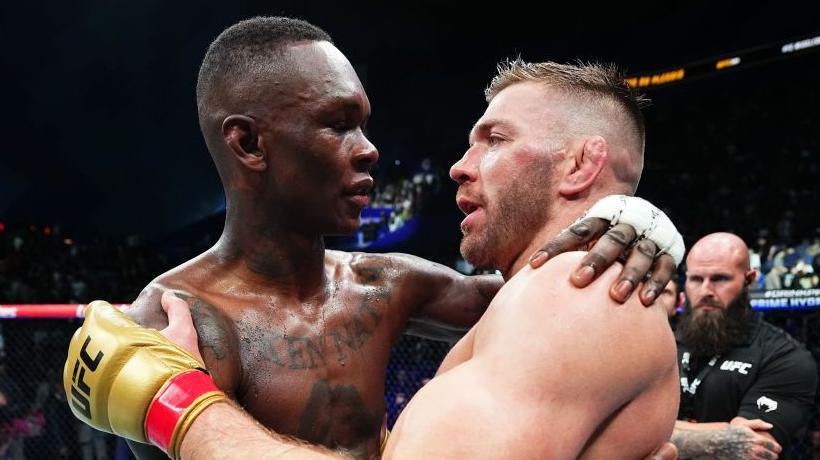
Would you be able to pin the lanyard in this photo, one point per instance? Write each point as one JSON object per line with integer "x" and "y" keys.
{"x": 692, "y": 388}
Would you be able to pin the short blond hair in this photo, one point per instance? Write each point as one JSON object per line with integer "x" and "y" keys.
{"x": 596, "y": 84}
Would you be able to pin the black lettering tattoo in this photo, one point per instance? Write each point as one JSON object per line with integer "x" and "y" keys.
{"x": 310, "y": 352}
{"x": 303, "y": 352}
{"x": 272, "y": 354}
{"x": 342, "y": 340}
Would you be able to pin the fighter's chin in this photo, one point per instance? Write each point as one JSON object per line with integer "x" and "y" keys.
{"x": 345, "y": 227}
{"x": 474, "y": 251}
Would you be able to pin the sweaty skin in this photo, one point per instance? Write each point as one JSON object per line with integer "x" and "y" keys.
{"x": 297, "y": 335}
{"x": 314, "y": 368}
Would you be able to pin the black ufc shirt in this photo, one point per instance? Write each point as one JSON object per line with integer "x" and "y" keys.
{"x": 770, "y": 376}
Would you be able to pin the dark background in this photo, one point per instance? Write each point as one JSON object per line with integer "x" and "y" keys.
{"x": 99, "y": 108}
{"x": 105, "y": 181}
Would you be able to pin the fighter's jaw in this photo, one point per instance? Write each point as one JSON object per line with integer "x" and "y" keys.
{"x": 341, "y": 218}
{"x": 474, "y": 250}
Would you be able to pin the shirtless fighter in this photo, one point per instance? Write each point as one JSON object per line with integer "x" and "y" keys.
{"x": 298, "y": 335}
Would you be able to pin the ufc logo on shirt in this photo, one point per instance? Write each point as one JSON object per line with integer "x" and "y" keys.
{"x": 740, "y": 367}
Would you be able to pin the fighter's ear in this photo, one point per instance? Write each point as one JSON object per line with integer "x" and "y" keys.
{"x": 241, "y": 134}
{"x": 750, "y": 277}
{"x": 589, "y": 160}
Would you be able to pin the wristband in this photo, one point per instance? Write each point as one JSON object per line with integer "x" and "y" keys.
{"x": 180, "y": 400}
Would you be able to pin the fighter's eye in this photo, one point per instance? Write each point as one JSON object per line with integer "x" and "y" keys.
{"x": 341, "y": 126}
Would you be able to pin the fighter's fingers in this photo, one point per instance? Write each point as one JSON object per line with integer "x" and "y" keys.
{"x": 668, "y": 451}
{"x": 575, "y": 237}
{"x": 177, "y": 309}
{"x": 180, "y": 328}
{"x": 768, "y": 444}
{"x": 662, "y": 271}
{"x": 604, "y": 253}
{"x": 637, "y": 266}
{"x": 763, "y": 453}
{"x": 758, "y": 425}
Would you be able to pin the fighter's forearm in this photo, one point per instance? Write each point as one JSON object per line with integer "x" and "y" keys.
{"x": 688, "y": 426}
{"x": 224, "y": 431}
{"x": 705, "y": 440}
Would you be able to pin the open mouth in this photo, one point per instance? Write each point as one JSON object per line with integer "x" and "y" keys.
{"x": 469, "y": 208}
{"x": 466, "y": 206}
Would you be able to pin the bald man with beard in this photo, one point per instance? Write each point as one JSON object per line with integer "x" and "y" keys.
{"x": 747, "y": 387}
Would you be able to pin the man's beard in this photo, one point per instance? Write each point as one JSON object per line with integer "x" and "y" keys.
{"x": 709, "y": 333}
{"x": 512, "y": 221}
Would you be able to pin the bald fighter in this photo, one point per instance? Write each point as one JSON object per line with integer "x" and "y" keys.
{"x": 747, "y": 387}
{"x": 544, "y": 355}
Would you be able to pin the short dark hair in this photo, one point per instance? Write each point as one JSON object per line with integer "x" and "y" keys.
{"x": 244, "y": 49}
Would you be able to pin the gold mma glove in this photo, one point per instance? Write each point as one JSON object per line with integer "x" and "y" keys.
{"x": 133, "y": 382}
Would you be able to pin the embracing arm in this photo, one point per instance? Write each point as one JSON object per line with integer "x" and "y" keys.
{"x": 225, "y": 431}
{"x": 443, "y": 303}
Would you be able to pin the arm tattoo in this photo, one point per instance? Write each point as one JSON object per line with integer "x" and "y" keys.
{"x": 729, "y": 443}
{"x": 210, "y": 326}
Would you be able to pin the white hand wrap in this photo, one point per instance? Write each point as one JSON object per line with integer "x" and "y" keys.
{"x": 647, "y": 220}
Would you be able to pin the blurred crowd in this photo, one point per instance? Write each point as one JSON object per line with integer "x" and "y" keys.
{"x": 787, "y": 266}
{"x": 735, "y": 155}
{"x": 395, "y": 201}
{"x": 44, "y": 264}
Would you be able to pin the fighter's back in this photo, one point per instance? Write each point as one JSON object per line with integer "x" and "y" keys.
{"x": 550, "y": 371}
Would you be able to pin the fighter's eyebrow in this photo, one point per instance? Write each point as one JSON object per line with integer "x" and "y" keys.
{"x": 347, "y": 104}
{"x": 486, "y": 125}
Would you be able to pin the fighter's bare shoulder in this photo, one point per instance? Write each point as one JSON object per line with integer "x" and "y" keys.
{"x": 578, "y": 327}
{"x": 146, "y": 309}
{"x": 550, "y": 285}
{"x": 217, "y": 334}
{"x": 395, "y": 267}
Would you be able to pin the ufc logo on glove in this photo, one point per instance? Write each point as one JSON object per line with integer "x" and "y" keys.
{"x": 80, "y": 391}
